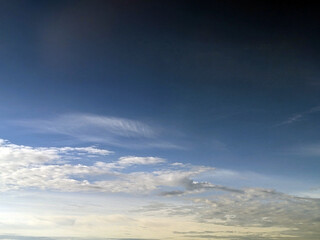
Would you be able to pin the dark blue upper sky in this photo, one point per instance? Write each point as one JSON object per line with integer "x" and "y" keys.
{"x": 232, "y": 84}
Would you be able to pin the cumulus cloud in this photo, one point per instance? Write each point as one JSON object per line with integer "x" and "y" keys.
{"x": 91, "y": 150}
{"x": 12, "y": 154}
{"x": 132, "y": 160}
{"x": 255, "y": 213}
{"x": 55, "y": 168}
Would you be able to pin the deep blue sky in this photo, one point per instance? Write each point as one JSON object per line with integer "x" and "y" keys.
{"x": 234, "y": 84}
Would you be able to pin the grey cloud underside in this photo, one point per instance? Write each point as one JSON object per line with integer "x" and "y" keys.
{"x": 249, "y": 208}
{"x": 239, "y": 237}
{"x": 254, "y": 237}
{"x": 196, "y": 187}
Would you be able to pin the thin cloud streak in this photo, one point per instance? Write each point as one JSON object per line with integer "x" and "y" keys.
{"x": 300, "y": 116}
{"x": 114, "y": 131}
{"x": 311, "y": 150}
{"x": 74, "y": 124}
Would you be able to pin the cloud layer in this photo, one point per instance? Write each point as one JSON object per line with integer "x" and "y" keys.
{"x": 54, "y": 168}
{"x": 177, "y": 199}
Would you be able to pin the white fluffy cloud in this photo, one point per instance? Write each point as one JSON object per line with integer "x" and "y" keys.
{"x": 132, "y": 160}
{"x": 209, "y": 211}
{"x": 54, "y": 168}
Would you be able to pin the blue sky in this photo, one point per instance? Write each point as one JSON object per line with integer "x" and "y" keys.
{"x": 165, "y": 107}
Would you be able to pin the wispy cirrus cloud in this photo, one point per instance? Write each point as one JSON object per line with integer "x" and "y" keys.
{"x": 308, "y": 149}
{"x": 299, "y": 116}
{"x": 110, "y": 130}
{"x": 78, "y": 124}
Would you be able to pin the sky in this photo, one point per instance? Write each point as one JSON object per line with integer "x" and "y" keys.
{"x": 159, "y": 120}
